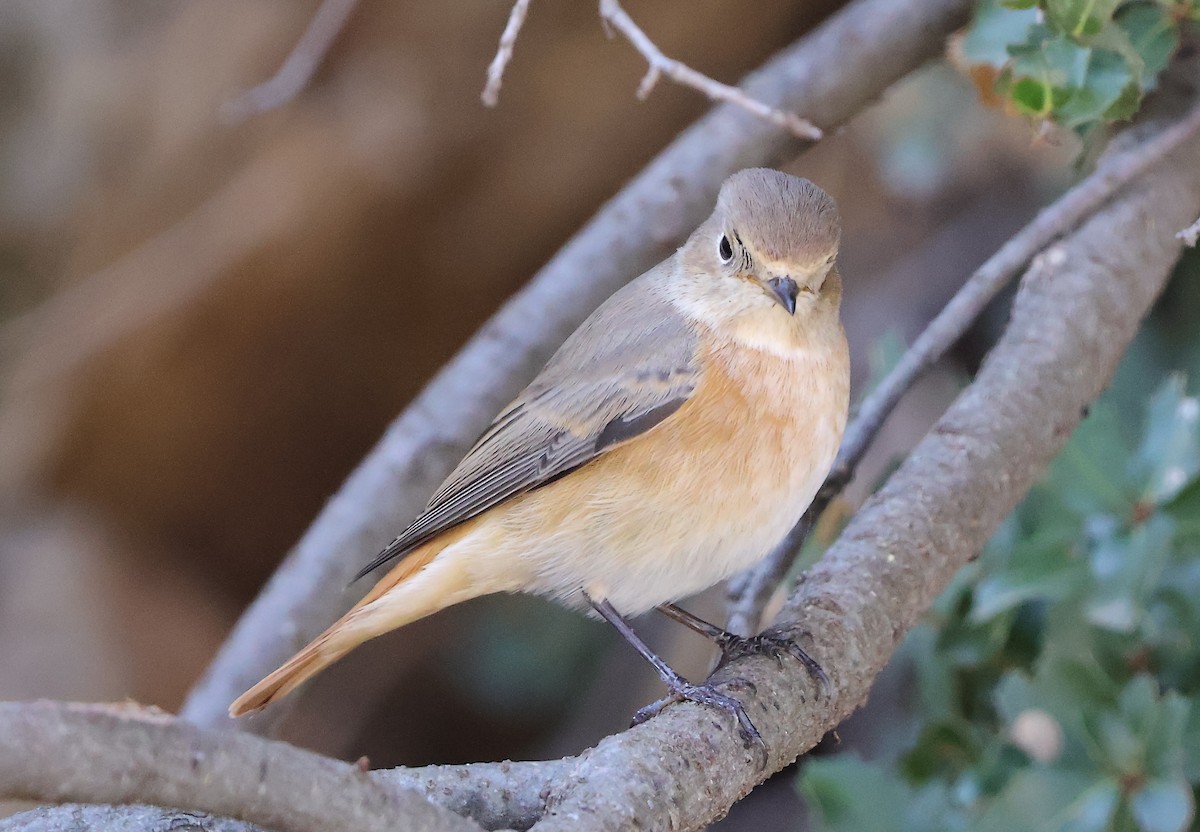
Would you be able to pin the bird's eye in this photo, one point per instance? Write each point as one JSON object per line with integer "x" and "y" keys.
{"x": 724, "y": 249}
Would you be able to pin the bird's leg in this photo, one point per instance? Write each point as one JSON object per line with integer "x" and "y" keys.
{"x": 680, "y": 687}
{"x": 733, "y": 646}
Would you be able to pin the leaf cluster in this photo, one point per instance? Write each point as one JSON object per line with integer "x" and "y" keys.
{"x": 1078, "y": 63}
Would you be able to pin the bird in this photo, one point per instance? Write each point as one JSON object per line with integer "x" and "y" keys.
{"x": 672, "y": 440}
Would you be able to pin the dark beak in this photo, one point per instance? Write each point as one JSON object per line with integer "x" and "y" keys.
{"x": 784, "y": 290}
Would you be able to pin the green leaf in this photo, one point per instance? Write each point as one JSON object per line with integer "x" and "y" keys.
{"x": 1126, "y": 105}
{"x": 1090, "y": 473}
{"x": 1126, "y": 572}
{"x": 1040, "y": 798}
{"x": 1190, "y": 741}
{"x": 1055, "y": 60}
{"x": 1093, "y": 810}
{"x": 1169, "y": 458}
{"x": 1115, "y": 744}
{"x": 1163, "y": 806}
{"x": 942, "y": 748}
{"x": 845, "y": 793}
{"x": 1069, "y": 678}
{"x": 935, "y": 675}
{"x": 995, "y": 28}
{"x": 1043, "y": 566}
{"x": 1080, "y": 18}
{"x": 1184, "y": 509}
{"x": 1105, "y": 79}
{"x": 1162, "y": 723}
{"x": 1033, "y": 96}
{"x": 1153, "y": 35}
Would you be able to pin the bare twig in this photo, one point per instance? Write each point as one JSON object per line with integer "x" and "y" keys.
{"x": 819, "y": 75}
{"x": 508, "y": 39}
{"x": 298, "y": 69}
{"x": 126, "y": 754}
{"x": 1191, "y": 234}
{"x": 613, "y": 15}
{"x": 750, "y": 595}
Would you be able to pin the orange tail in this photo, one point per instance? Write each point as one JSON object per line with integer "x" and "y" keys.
{"x": 393, "y": 602}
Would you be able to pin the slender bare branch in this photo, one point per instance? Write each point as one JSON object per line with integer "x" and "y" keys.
{"x": 750, "y": 595}
{"x": 819, "y": 75}
{"x": 127, "y": 754}
{"x": 614, "y": 16}
{"x": 508, "y": 39}
{"x": 299, "y": 67}
{"x": 1191, "y": 234}
{"x": 1075, "y": 313}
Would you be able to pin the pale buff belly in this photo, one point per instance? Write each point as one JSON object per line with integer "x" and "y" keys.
{"x": 697, "y": 499}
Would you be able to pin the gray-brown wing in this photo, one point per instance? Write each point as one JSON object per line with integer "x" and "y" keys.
{"x": 626, "y": 369}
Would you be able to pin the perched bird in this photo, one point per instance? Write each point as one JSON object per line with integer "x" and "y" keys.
{"x": 672, "y": 440}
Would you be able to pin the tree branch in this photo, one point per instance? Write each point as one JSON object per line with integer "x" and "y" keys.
{"x": 831, "y": 74}
{"x": 52, "y": 751}
{"x": 508, "y": 39}
{"x": 1076, "y": 311}
{"x": 299, "y": 67}
{"x": 750, "y": 596}
{"x": 75, "y": 817}
{"x": 614, "y": 16}
{"x": 125, "y": 754}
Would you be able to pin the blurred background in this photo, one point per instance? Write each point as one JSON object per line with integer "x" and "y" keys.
{"x": 204, "y": 325}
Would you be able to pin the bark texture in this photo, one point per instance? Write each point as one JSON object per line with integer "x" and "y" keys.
{"x": 76, "y": 817}
{"x": 119, "y": 754}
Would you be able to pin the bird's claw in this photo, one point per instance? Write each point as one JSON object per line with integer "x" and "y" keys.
{"x": 774, "y": 646}
{"x": 707, "y": 694}
{"x": 655, "y": 708}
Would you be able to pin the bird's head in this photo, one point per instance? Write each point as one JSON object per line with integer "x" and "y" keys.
{"x": 771, "y": 242}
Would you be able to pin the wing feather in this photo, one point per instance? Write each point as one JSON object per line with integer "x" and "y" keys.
{"x": 628, "y": 368}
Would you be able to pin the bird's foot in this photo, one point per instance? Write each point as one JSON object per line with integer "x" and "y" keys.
{"x": 707, "y": 694}
{"x": 775, "y": 646}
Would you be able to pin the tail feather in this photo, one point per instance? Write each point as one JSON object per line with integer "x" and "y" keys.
{"x": 394, "y": 601}
{"x": 326, "y": 649}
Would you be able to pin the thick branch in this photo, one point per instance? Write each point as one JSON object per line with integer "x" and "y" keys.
{"x": 1113, "y": 174}
{"x": 79, "y": 753}
{"x": 1076, "y": 311}
{"x": 829, "y": 75}
{"x": 495, "y": 795}
{"x": 118, "y": 754}
{"x": 75, "y": 817}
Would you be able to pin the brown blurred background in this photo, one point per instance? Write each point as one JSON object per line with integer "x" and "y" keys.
{"x": 205, "y": 325}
